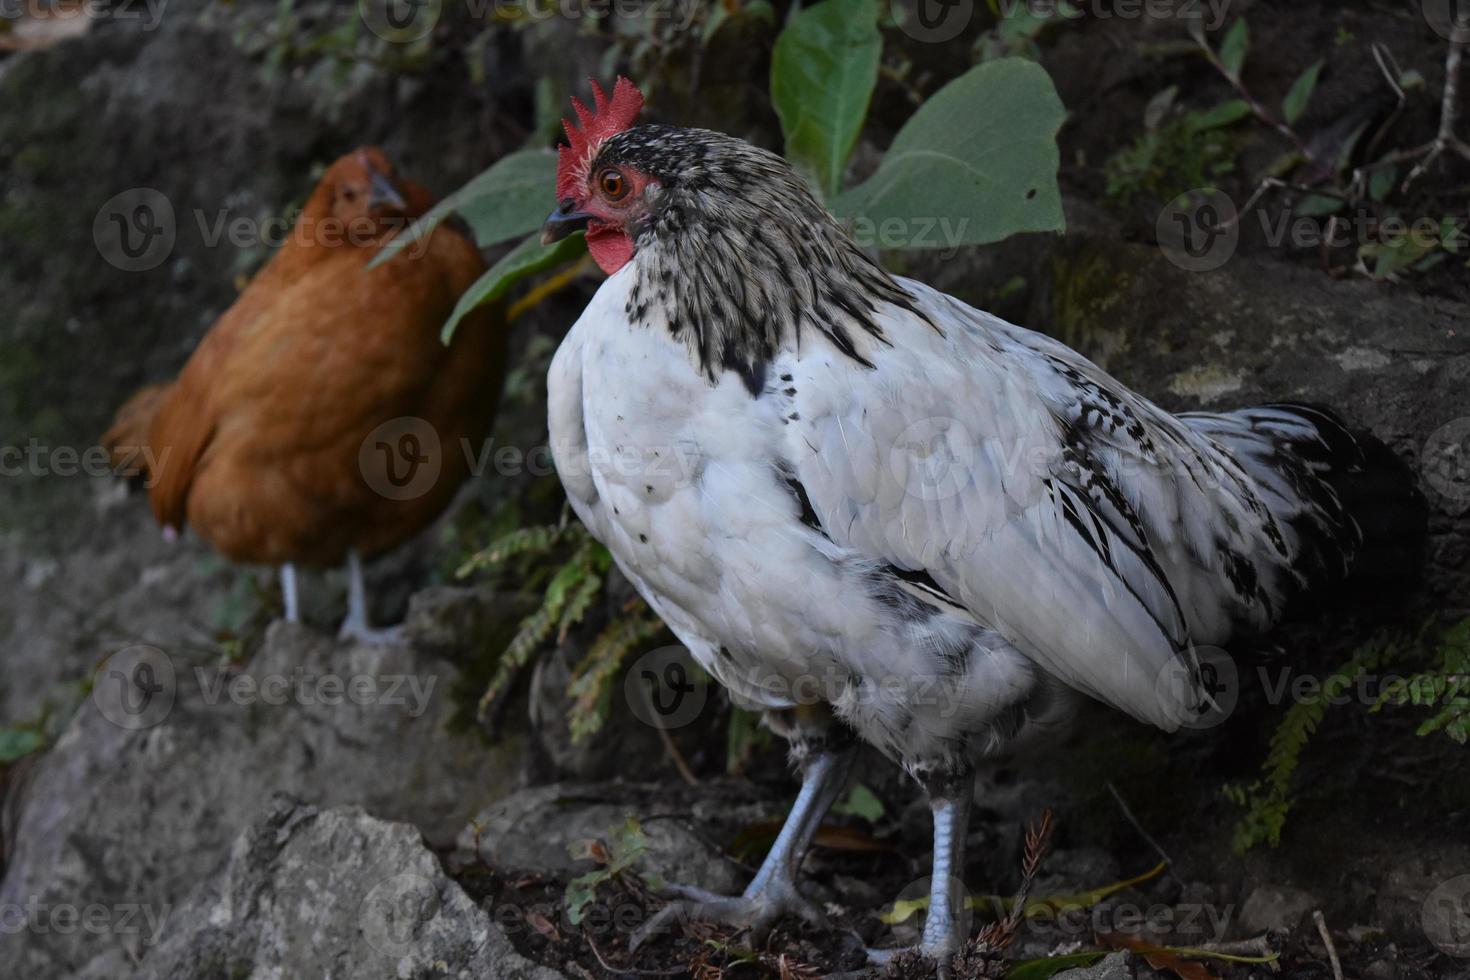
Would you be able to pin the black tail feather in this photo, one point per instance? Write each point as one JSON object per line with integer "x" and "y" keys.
{"x": 1379, "y": 493}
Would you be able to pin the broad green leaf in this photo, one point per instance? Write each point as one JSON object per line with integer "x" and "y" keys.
{"x": 526, "y": 259}
{"x": 1301, "y": 93}
{"x": 1232, "y": 51}
{"x": 975, "y": 164}
{"x": 822, "y": 76}
{"x": 510, "y": 199}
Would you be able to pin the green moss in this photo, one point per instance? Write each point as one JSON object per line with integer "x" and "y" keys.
{"x": 1091, "y": 286}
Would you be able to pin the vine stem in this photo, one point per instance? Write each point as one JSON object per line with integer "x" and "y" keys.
{"x": 1257, "y": 109}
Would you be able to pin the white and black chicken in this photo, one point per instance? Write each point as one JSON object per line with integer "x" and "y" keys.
{"x": 878, "y": 513}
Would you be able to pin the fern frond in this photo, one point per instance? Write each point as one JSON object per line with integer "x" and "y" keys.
{"x": 518, "y": 542}
{"x": 1269, "y": 800}
{"x": 1445, "y": 687}
{"x": 591, "y": 684}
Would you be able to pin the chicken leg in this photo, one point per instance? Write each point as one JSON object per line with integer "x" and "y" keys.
{"x": 356, "y": 626}
{"x": 772, "y": 892}
{"x": 944, "y": 930}
{"x": 289, "y": 596}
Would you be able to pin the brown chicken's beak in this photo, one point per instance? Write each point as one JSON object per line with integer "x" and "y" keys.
{"x": 385, "y": 194}
{"x": 563, "y": 221}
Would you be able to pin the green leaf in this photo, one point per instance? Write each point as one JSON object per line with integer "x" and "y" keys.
{"x": 1396, "y": 254}
{"x": 526, "y": 259}
{"x": 860, "y": 802}
{"x": 18, "y": 742}
{"x": 1232, "y": 52}
{"x": 1382, "y": 181}
{"x": 823, "y": 71}
{"x": 1221, "y": 115}
{"x": 975, "y": 164}
{"x": 1044, "y": 907}
{"x": 1301, "y": 93}
{"x": 1318, "y": 206}
{"x": 1050, "y": 966}
{"x": 507, "y": 201}
{"x": 581, "y": 892}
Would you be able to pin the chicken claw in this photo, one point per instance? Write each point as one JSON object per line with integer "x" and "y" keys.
{"x": 772, "y": 893}
{"x": 754, "y": 912}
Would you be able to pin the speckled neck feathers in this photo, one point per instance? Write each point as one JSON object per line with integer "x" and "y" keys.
{"x": 736, "y": 258}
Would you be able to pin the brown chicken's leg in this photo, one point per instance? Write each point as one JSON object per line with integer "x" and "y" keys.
{"x": 289, "y": 596}
{"x": 356, "y": 625}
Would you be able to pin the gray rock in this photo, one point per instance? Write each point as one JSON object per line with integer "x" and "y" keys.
{"x": 453, "y": 621}
{"x": 1114, "y": 966}
{"x": 595, "y": 759}
{"x": 331, "y": 893}
{"x": 1276, "y": 908}
{"x": 137, "y": 816}
{"x": 1424, "y": 895}
{"x": 534, "y": 828}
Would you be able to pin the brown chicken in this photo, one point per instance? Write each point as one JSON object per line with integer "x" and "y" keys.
{"x": 321, "y": 418}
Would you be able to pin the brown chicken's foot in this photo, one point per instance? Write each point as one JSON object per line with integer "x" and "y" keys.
{"x": 356, "y": 626}
{"x": 354, "y": 633}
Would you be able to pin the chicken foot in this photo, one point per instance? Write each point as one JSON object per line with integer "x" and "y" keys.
{"x": 356, "y": 626}
{"x": 772, "y": 893}
{"x": 944, "y": 923}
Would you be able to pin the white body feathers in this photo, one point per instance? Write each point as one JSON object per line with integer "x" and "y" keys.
{"x": 929, "y": 544}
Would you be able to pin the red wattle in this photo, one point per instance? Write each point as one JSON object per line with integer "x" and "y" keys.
{"x": 611, "y": 247}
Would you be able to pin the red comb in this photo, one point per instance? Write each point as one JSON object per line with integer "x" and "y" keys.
{"x": 608, "y": 116}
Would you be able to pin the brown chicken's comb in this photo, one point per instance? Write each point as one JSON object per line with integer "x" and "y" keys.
{"x": 608, "y": 116}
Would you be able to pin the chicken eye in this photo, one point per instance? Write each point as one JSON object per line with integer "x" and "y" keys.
{"x": 614, "y": 185}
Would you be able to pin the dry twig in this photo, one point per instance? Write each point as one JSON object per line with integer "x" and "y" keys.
{"x": 1327, "y": 941}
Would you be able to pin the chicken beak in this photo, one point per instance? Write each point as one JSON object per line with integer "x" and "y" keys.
{"x": 385, "y": 194}
{"x": 563, "y": 221}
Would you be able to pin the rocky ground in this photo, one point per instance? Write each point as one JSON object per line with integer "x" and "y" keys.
{"x": 290, "y": 806}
